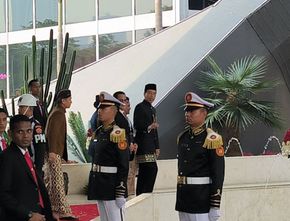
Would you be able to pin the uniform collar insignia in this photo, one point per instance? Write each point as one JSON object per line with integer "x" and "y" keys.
{"x": 198, "y": 130}
{"x": 109, "y": 127}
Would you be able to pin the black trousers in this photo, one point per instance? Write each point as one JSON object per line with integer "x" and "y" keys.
{"x": 146, "y": 177}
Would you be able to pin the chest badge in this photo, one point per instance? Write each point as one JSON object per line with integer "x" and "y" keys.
{"x": 38, "y": 129}
{"x": 220, "y": 151}
{"x": 122, "y": 145}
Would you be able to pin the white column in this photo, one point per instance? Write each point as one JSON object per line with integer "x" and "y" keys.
{"x": 7, "y": 51}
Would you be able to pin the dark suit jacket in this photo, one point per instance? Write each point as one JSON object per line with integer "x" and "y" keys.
{"x": 18, "y": 191}
{"x": 40, "y": 116}
{"x": 147, "y": 141}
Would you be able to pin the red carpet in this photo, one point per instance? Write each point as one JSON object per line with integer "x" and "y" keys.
{"x": 85, "y": 212}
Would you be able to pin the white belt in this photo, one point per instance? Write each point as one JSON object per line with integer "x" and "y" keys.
{"x": 104, "y": 169}
{"x": 193, "y": 180}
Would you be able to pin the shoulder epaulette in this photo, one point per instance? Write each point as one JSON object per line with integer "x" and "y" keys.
{"x": 213, "y": 140}
{"x": 118, "y": 134}
{"x": 183, "y": 132}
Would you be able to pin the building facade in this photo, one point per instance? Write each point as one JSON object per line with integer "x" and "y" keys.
{"x": 97, "y": 28}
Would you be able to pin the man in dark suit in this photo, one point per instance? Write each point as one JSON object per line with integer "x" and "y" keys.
{"x": 39, "y": 111}
{"x": 3, "y": 124}
{"x": 23, "y": 195}
{"x": 124, "y": 122}
{"x": 145, "y": 123}
{"x": 120, "y": 119}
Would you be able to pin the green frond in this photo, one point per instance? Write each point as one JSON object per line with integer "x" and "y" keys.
{"x": 79, "y": 132}
{"x": 215, "y": 118}
{"x": 75, "y": 150}
{"x": 214, "y": 66}
{"x": 233, "y": 94}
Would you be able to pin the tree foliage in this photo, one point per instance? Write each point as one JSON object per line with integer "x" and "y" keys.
{"x": 78, "y": 149}
{"x": 234, "y": 93}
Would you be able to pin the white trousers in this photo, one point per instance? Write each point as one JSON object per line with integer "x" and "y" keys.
{"x": 193, "y": 216}
{"x": 109, "y": 211}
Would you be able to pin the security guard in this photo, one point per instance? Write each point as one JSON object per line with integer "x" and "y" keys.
{"x": 200, "y": 165}
{"x": 110, "y": 164}
{"x": 145, "y": 123}
{"x": 26, "y": 104}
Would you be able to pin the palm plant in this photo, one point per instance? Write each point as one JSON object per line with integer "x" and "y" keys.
{"x": 233, "y": 92}
{"x": 78, "y": 149}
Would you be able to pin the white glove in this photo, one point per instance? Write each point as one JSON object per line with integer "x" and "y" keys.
{"x": 214, "y": 214}
{"x": 120, "y": 202}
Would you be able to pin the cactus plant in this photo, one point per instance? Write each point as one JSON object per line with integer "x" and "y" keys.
{"x": 63, "y": 80}
{"x": 49, "y": 69}
{"x": 26, "y": 70}
{"x": 3, "y": 101}
{"x": 41, "y": 74}
{"x": 34, "y": 57}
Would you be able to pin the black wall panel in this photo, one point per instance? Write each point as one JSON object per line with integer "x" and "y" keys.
{"x": 264, "y": 33}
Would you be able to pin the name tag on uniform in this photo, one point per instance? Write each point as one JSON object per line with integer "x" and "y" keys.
{"x": 39, "y": 138}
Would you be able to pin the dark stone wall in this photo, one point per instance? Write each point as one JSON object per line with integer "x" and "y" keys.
{"x": 265, "y": 33}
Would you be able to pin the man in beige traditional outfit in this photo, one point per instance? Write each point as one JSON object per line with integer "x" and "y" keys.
{"x": 56, "y": 136}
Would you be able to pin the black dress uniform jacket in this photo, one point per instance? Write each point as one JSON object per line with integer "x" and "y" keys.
{"x": 106, "y": 186}
{"x": 194, "y": 160}
{"x": 122, "y": 122}
{"x": 40, "y": 145}
{"x": 147, "y": 141}
{"x": 18, "y": 190}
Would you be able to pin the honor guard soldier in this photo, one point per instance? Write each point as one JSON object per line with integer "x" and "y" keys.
{"x": 145, "y": 123}
{"x": 26, "y": 105}
{"x": 200, "y": 165}
{"x": 110, "y": 162}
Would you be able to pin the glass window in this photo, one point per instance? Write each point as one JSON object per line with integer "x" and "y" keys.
{"x": 46, "y": 13}
{"x": 17, "y": 53}
{"x": 109, "y": 43}
{"x": 20, "y": 15}
{"x": 148, "y": 6}
{"x": 39, "y": 46}
{"x": 2, "y": 15}
{"x": 3, "y": 74}
{"x": 85, "y": 50}
{"x": 144, "y": 33}
{"x": 144, "y": 6}
{"x": 79, "y": 11}
{"x": 166, "y": 5}
{"x": 113, "y": 8}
